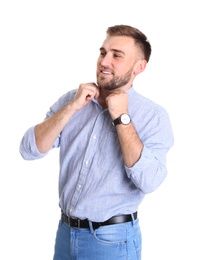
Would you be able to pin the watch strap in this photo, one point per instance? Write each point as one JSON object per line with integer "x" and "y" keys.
{"x": 122, "y": 119}
{"x": 117, "y": 121}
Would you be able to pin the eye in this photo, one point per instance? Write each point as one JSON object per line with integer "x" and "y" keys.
{"x": 102, "y": 53}
{"x": 117, "y": 55}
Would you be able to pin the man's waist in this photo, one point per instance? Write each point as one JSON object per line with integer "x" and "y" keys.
{"x": 79, "y": 223}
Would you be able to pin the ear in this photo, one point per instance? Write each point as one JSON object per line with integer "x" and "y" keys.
{"x": 140, "y": 66}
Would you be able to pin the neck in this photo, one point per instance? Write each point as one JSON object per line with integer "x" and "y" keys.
{"x": 102, "y": 97}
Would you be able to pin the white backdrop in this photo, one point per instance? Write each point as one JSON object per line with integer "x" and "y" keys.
{"x": 48, "y": 47}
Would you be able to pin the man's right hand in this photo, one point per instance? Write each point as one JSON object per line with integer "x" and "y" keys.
{"x": 85, "y": 93}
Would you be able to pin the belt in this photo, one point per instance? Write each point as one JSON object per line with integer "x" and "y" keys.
{"x": 78, "y": 223}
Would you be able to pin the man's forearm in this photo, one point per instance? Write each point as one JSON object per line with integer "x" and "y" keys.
{"x": 131, "y": 145}
{"x": 47, "y": 131}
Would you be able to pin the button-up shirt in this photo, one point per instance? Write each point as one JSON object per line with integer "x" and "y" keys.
{"x": 94, "y": 182}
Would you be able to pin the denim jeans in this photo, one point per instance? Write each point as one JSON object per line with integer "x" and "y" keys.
{"x": 112, "y": 242}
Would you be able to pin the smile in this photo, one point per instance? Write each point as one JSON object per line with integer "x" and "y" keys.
{"x": 106, "y": 72}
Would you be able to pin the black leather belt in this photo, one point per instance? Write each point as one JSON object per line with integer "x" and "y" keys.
{"x": 78, "y": 223}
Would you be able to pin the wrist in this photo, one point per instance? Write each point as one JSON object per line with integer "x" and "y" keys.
{"x": 123, "y": 119}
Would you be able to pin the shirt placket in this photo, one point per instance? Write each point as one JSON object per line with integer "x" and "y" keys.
{"x": 91, "y": 148}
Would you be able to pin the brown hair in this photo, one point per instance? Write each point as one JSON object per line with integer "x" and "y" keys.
{"x": 140, "y": 38}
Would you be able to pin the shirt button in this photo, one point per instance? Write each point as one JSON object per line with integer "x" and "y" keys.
{"x": 70, "y": 210}
{"x": 94, "y": 137}
{"x": 79, "y": 186}
{"x": 86, "y": 162}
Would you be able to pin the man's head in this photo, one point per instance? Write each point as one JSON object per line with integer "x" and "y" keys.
{"x": 123, "y": 55}
{"x": 140, "y": 39}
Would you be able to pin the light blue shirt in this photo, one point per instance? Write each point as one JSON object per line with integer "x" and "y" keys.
{"x": 94, "y": 183}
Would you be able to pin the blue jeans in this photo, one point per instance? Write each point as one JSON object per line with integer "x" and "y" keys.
{"x": 113, "y": 242}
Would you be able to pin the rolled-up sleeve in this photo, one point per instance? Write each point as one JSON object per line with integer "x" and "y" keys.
{"x": 28, "y": 148}
{"x": 150, "y": 170}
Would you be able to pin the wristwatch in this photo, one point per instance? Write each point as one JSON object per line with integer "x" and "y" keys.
{"x": 122, "y": 119}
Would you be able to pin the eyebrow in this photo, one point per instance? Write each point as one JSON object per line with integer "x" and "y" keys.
{"x": 114, "y": 50}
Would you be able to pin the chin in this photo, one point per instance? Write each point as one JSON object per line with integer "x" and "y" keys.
{"x": 101, "y": 84}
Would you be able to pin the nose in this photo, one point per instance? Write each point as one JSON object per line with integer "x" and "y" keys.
{"x": 106, "y": 60}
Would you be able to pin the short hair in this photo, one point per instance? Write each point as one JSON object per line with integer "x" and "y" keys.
{"x": 139, "y": 37}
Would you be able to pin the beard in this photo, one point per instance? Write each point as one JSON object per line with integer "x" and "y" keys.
{"x": 116, "y": 82}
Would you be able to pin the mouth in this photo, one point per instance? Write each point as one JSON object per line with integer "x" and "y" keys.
{"x": 106, "y": 72}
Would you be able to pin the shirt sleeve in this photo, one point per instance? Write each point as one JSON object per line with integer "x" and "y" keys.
{"x": 28, "y": 148}
{"x": 150, "y": 170}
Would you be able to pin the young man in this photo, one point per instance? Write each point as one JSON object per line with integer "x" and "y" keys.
{"x": 113, "y": 146}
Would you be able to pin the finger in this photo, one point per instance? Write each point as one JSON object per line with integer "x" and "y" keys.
{"x": 93, "y": 90}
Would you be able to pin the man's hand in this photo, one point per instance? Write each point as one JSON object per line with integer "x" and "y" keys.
{"x": 47, "y": 131}
{"x": 117, "y": 103}
{"x": 84, "y": 94}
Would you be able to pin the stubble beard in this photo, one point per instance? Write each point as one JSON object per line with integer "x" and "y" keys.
{"x": 116, "y": 82}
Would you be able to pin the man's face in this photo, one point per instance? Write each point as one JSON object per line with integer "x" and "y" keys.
{"x": 116, "y": 63}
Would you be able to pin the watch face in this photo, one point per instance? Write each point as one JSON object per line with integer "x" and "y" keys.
{"x": 125, "y": 119}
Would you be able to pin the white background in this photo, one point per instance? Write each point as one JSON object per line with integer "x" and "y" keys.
{"x": 49, "y": 47}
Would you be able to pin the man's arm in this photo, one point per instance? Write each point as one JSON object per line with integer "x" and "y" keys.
{"x": 47, "y": 131}
{"x": 130, "y": 143}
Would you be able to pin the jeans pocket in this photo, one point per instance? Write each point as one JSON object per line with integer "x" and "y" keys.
{"x": 110, "y": 235}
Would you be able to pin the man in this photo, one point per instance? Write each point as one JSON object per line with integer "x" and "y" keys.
{"x": 113, "y": 145}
